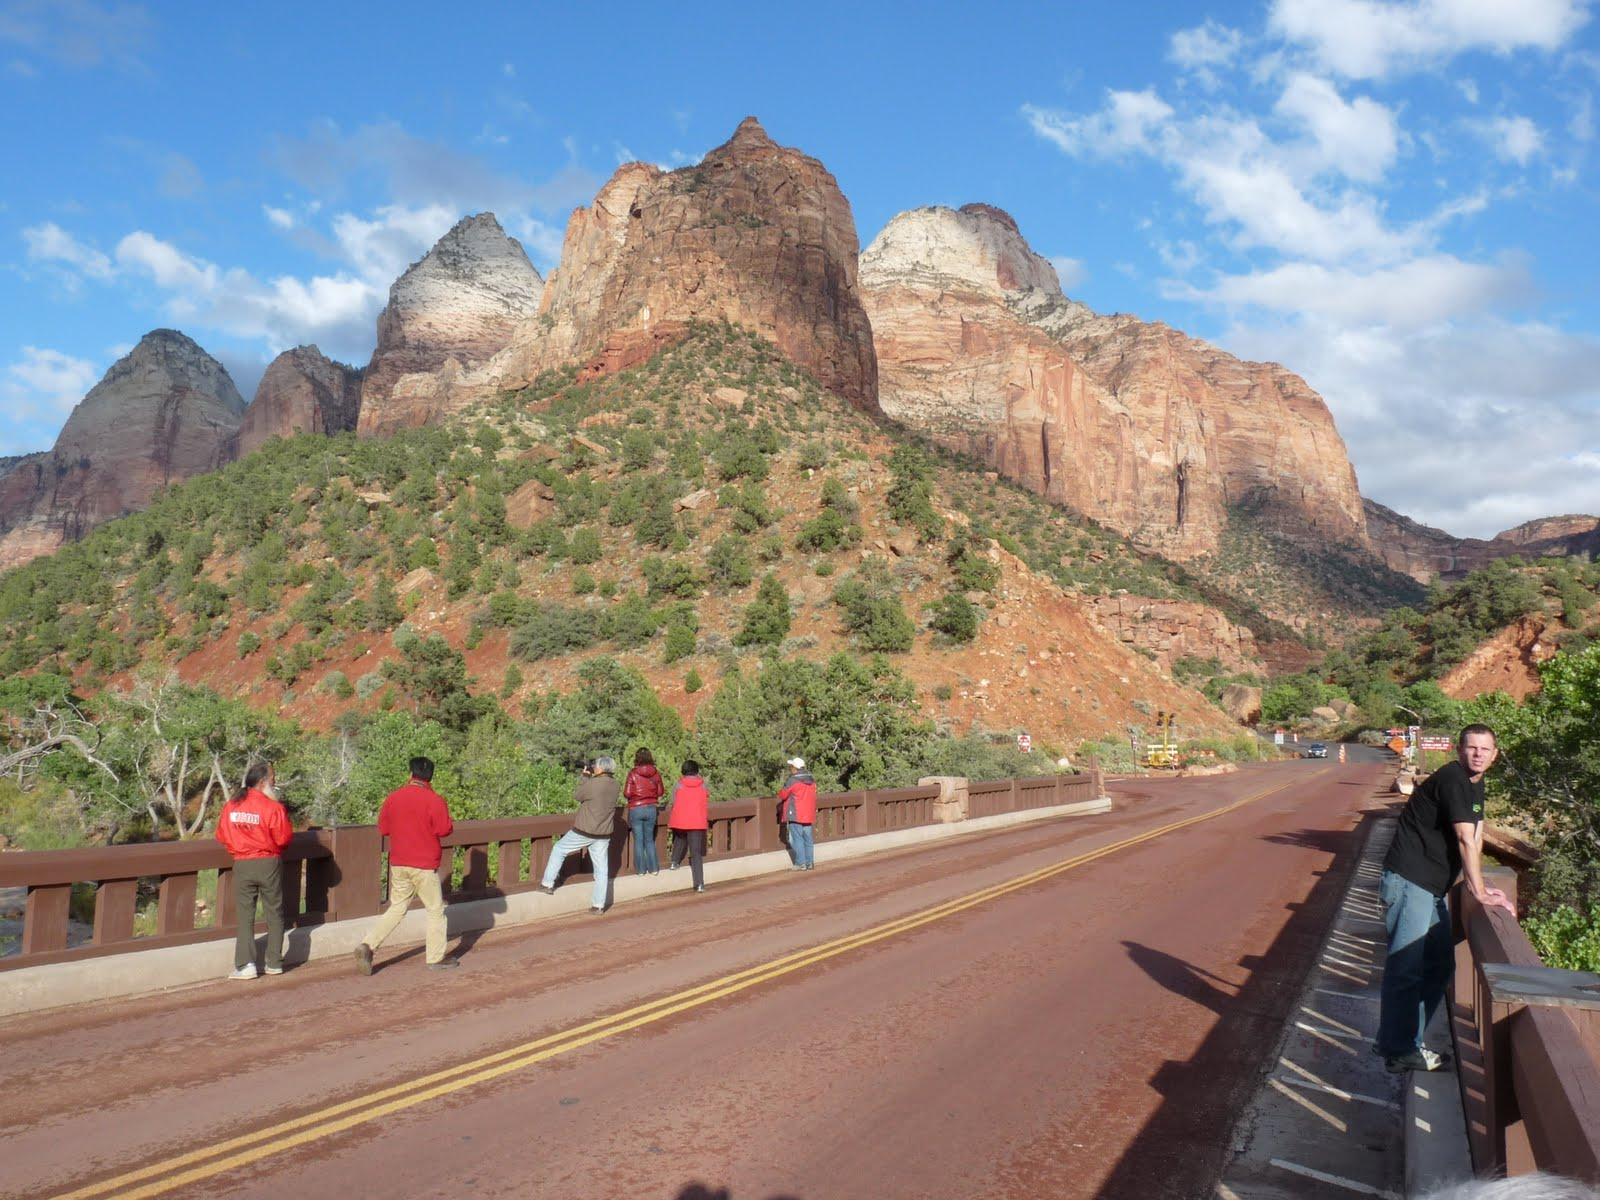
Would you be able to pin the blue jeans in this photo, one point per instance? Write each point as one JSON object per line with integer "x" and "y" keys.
{"x": 1422, "y": 958}
{"x": 802, "y": 845}
{"x": 643, "y": 821}
{"x": 599, "y": 849}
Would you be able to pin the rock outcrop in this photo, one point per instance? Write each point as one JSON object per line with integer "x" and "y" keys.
{"x": 163, "y": 413}
{"x": 1151, "y": 432}
{"x": 1174, "y": 629}
{"x": 455, "y": 308}
{"x": 302, "y": 391}
{"x": 1427, "y": 554}
{"x": 755, "y": 233}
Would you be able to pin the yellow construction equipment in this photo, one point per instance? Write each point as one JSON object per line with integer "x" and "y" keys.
{"x": 1163, "y": 748}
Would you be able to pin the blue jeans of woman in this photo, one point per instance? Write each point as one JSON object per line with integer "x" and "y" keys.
{"x": 643, "y": 821}
{"x": 1422, "y": 957}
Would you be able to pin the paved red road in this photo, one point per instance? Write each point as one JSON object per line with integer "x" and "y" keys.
{"x": 1093, "y": 1031}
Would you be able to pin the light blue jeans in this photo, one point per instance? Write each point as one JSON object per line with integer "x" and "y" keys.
{"x": 643, "y": 821}
{"x": 599, "y": 849}
{"x": 802, "y": 844}
{"x": 1422, "y": 958}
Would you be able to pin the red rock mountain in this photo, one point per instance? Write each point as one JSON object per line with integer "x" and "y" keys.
{"x": 164, "y": 412}
{"x": 451, "y": 310}
{"x": 1132, "y": 423}
{"x": 302, "y": 392}
{"x": 1427, "y": 554}
{"x": 756, "y": 233}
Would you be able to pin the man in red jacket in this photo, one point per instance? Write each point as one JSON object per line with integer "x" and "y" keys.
{"x": 255, "y": 829}
{"x": 797, "y": 808}
{"x": 413, "y": 818}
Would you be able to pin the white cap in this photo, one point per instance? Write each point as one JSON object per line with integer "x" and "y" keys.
{"x": 799, "y": 764}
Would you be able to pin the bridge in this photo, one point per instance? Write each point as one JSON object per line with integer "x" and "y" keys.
{"x": 1010, "y": 989}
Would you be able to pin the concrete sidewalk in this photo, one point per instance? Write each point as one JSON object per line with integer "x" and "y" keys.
{"x": 1329, "y": 1120}
{"x": 34, "y": 989}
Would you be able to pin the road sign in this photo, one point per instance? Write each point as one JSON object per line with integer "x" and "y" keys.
{"x": 1436, "y": 743}
{"x": 1024, "y": 742}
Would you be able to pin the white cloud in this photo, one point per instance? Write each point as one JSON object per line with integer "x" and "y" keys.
{"x": 1472, "y": 426}
{"x": 1205, "y": 51}
{"x": 1369, "y": 39}
{"x": 280, "y": 218}
{"x": 50, "y": 243}
{"x": 382, "y": 248}
{"x": 1513, "y": 139}
{"x": 37, "y": 392}
{"x": 78, "y": 33}
{"x": 1357, "y": 138}
{"x": 1412, "y": 295}
{"x": 1070, "y": 271}
{"x": 1126, "y": 125}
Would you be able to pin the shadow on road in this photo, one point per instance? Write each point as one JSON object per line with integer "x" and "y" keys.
{"x": 1185, "y": 979}
{"x": 1182, "y": 1149}
{"x": 699, "y": 1191}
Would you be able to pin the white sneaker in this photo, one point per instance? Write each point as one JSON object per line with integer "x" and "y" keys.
{"x": 274, "y": 971}
{"x": 248, "y": 971}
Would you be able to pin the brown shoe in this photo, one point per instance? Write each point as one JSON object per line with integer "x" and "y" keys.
{"x": 364, "y": 959}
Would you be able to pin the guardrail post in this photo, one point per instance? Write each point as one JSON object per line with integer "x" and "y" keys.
{"x": 355, "y": 876}
{"x": 44, "y": 922}
{"x": 114, "y": 903}
{"x": 1098, "y": 776}
{"x": 951, "y": 803}
{"x": 767, "y": 824}
{"x": 175, "y": 904}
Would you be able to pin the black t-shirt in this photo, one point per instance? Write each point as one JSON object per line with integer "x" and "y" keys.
{"x": 1424, "y": 849}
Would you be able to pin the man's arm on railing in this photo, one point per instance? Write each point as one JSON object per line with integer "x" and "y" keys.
{"x": 1469, "y": 837}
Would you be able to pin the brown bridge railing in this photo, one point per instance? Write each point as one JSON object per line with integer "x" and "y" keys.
{"x": 145, "y": 896}
{"x": 1530, "y": 1084}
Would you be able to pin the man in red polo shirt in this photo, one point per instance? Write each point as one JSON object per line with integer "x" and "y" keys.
{"x": 413, "y": 818}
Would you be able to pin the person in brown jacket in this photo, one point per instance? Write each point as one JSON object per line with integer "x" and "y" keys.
{"x": 255, "y": 829}
{"x": 596, "y": 795}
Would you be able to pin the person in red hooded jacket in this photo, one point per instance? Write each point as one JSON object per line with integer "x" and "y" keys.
{"x": 643, "y": 791}
{"x": 688, "y": 816}
{"x": 255, "y": 829}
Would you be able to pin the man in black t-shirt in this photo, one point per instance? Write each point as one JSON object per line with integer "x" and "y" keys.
{"x": 1439, "y": 835}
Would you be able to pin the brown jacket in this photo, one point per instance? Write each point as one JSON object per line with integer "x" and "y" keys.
{"x": 597, "y": 805}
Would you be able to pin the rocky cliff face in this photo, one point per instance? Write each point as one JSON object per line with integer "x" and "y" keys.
{"x": 457, "y": 307}
{"x": 756, "y": 233}
{"x": 1427, "y": 554}
{"x": 1153, "y": 433}
{"x": 302, "y": 392}
{"x": 1174, "y": 629}
{"x": 165, "y": 412}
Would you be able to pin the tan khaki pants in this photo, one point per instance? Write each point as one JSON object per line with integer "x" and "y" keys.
{"x": 404, "y": 883}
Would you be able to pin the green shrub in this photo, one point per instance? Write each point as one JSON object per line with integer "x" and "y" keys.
{"x": 692, "y": 682}
{"x": 249, "y": 643}
{"x": 955, "y": 617}
{"x": 728, "y": 563}
{"x": 1565, "y": 938}
{"x": 767, "y": 618}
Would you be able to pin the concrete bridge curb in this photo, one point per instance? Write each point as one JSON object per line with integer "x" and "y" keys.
{"x": 140, "y": 973}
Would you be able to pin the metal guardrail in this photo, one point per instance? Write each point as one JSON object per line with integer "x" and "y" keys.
{"x": 1536, "y": 1103}
{"x": 144, "y": 896}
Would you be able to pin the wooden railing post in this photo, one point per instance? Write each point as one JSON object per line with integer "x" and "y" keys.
{"x": 355, "y": 880}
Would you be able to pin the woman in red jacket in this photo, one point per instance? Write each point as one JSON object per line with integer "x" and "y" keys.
{"x": 643, "y": 791}
{"x": 688, "y": 818}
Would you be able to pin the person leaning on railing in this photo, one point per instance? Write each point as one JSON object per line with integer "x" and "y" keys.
{"x": 689, "y": 816}
{"x": 1439, "y": 835}
{"x": 596, "y": 797}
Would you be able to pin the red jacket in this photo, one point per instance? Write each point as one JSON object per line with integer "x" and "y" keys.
{"x": 414, "y": 818}
{"x": 643, "y": 787}
{"x": 690, "y": 804}
{"x": 797, "y": 799}
{"x": 254, "y": 826}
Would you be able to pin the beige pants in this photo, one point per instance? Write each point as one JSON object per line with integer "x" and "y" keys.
{"x": 404, "y": 883}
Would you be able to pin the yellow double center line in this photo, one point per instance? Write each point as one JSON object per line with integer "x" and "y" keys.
{"x": 204, "y": 1163}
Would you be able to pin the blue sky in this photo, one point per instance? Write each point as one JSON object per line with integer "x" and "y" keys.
{"x": 1395, "y": 199}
